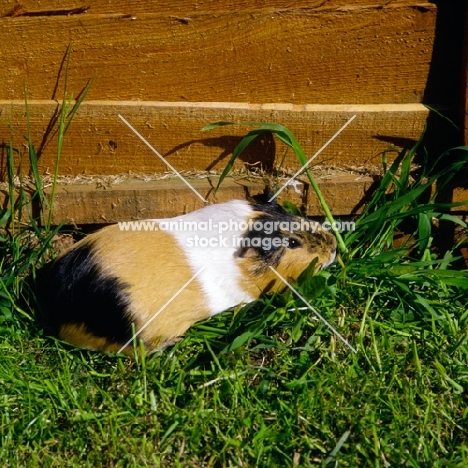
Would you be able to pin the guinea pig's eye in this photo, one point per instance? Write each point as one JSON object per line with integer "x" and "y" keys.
{"x": 294, "y": 243}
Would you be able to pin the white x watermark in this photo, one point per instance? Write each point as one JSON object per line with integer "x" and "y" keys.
{"x": 291, "y": 180}
{"x": 313, "y": 310}
{"x": 161, "y": 309}
{"x": 277, "y": 274}
{"x": 163, "y": 159}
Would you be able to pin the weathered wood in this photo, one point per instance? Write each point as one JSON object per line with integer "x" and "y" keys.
{"x": 135, "y": 199}
{"x": 172, "y": 67}
{"x": 331, "y": 53}
{"x": 464, "y": 83}
{"x": 12, "y": 8}
{"x": 98, "y": 142}
{"x": 460, "y": 194}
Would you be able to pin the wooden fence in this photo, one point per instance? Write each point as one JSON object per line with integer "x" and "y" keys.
{"x": 170, "y": 68}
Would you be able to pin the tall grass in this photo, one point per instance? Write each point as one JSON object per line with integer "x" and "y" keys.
{"x": 406, "y": 273}
{"x": 268, "y": 384}
{"x": 26, "y": 230}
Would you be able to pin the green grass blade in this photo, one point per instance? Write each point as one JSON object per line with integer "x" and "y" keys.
{"x": 286, "y": 136}
{"x": 236, "y": 153}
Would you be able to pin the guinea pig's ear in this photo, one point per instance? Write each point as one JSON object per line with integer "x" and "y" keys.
{"x": 265, "y": 197}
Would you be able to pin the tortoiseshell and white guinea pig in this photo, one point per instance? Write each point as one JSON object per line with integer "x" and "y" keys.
{"x": 113, "y": 278}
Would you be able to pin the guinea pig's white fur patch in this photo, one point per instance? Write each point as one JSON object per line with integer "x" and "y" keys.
{"x": 96, "y": 290}
{"x": 220, "y": 278}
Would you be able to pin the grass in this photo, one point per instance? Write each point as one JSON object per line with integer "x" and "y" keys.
{"x": 267, "y": 385}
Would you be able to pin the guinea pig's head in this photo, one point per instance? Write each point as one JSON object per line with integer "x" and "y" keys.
{"x": 283, "y": 241}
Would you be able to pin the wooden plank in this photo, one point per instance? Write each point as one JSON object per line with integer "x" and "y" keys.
{"x": 182, "y": 7}
{"x": 352, "y": 54}
{"x": 98, "y": 142}
{"x": 464, "y": 82}
{"x": 136, "y": 199}
{"x": 460, "y": 194}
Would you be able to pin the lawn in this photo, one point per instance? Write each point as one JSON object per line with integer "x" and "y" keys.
{"x": 268, "y": 385}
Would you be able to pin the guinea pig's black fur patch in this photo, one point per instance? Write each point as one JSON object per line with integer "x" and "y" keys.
{"x": 263, "y": 199}
{"x": 270, "y": 212}
{"x": 73, "y": 291}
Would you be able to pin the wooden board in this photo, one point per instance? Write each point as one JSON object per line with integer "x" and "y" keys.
{"x": 135, "y": 199}
{"x": 298, "y": 52}
{"x": 464, "y": 83}
{"x": 172, "y": 67}
{"x": 98, "y": 142}
{"x": 31, "y": 8}
{"x": 460, "y": 194}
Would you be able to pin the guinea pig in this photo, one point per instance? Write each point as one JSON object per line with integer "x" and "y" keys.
{"x": 163, "y": 275}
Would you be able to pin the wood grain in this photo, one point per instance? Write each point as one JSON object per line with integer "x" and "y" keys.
{"x": 337, "y": 52}
{"x": 98, "y": 142}
{"x": 79, "y": 204}
{"x": 136, "y": 199}
{"x": 464, "y": 83}
{"x": 70, "y": 7}
{"x": 172, "y": 67}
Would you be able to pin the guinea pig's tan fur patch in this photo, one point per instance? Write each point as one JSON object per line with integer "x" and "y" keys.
{"x": 136, "y": 258}
{"x": 77, "y": 335}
